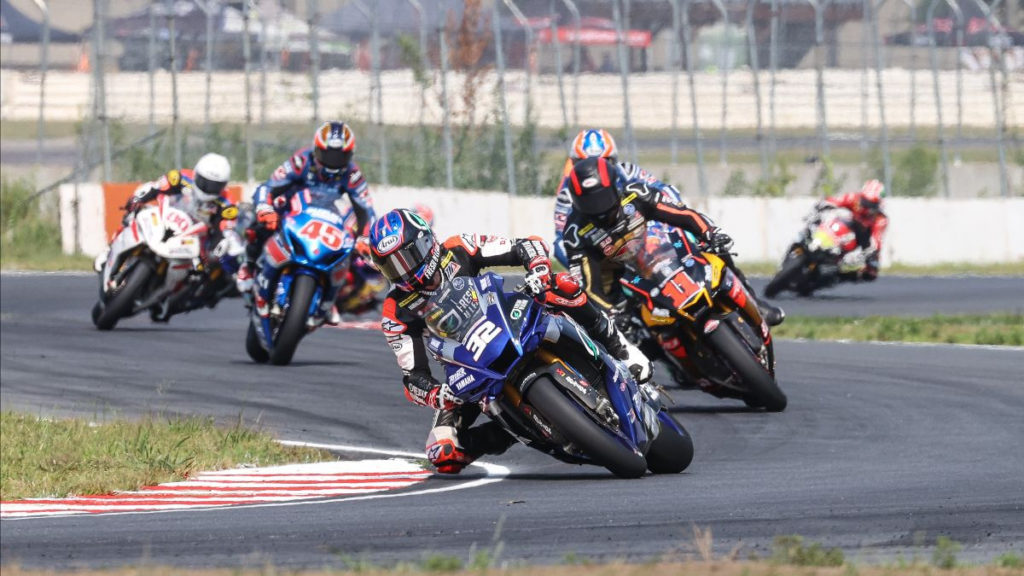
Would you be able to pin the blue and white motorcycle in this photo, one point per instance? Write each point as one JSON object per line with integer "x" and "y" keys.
{"x": 300, "y": 263}
{"x": 538, "y": 374}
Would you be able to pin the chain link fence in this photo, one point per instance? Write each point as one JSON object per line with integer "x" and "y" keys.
{"x": 724, "y": 96}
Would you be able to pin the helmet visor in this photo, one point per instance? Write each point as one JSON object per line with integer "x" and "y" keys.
{"x": 333, "y": 159}
{"x": 408, "y": 261}
{"x": 208, "y": 189}
{"x": 598, "y": 201}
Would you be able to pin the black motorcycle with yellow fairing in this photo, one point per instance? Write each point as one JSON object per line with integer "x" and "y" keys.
{"x": 708, "y": 326}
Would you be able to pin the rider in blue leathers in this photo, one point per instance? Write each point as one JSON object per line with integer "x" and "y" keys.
{"x": 324, "y": 168}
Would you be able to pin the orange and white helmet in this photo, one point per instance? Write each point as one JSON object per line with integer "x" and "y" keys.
{"x": 593, "y": 143}
{"x": 333, "y": 146}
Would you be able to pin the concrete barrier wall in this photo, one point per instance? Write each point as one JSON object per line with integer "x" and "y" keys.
{"x": 921, "y": 231}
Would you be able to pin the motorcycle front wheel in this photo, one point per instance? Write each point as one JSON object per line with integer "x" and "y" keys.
{"x": 253, "y": 346}
{"x": 122, "y": 299}
{"x": 596, "y": 442}
{"x": 791, "y": 270}
{"x": 762, "y": 390}
{"x": 293, "y": 327}
{"x": 672, "y": 451}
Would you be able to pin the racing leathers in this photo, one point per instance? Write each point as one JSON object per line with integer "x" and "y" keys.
{"x": 452, "y": 443}
{"x": 221, "y": 247}
{"x": 563, "y": 200}
{"x": 219, "y": 215}
{"x": 272, "y": 200}
{"x": 869, "y": 226}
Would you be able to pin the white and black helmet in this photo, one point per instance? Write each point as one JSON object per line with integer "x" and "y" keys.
{"x": 212, "y": 173}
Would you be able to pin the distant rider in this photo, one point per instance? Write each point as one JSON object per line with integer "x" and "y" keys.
{"x": 869, "y": 224}
{"x": 199, "y": 192}
{"x": 405, "y": 249}
{"x": 608, "y": 223}
{"x": 324, "y": 168}
{"x": 597, "y": 143}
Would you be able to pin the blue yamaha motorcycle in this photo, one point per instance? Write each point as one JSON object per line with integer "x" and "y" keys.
{"x": 311, "y": 248}
{"x": 539, "y": 375}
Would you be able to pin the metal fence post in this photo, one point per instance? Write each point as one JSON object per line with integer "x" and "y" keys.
{"x": 911, "y": 25}
{"x": 934, "y": 61}
{"x": 314, "y": 58}
{"x": 819, "y": 65}
{"x": 44, "y": 62}
{"x": 999, "y": 108}
{"x": 208, "y": 8}
{"x": 446, "y": 115}
{"x": 175, "y": 129}
{"x": 527, "y": 68}
{"x": 378, "y": 85}
{"x": 724, "y": 71}
{"x": 263, "y": 68}
{"x": 756, "y": 74}
{"x": 499, "y": 61}
{"x": 151, "y": 66}
{"x": 577, "y": 25}
{"x": 773, "y": 63}
{"x": 699, "y": 147}
{"x": 247, "y": 9}
{"x": 557, "y": 44}
{"x": 877, "y": 44}
{"x": 676, "y": 64}
{"x": 621, "y": 29}
{"x": 864, "y": 91}
{"x": 99, "y": 32}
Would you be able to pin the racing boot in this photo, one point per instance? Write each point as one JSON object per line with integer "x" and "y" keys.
{"x": 605, "y": 333}
{"x": 452, "y": 445}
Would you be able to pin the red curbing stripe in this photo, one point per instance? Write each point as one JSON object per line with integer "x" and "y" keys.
{"x": 231, "y": 474}
{"x": 271, "y": 488}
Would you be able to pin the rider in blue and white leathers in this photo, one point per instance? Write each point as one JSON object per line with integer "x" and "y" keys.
{"x": 326, "y": 168}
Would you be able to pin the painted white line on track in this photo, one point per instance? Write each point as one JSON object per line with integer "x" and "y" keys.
{"x": 169, "y": 503}
{"x": 996, "y": 347}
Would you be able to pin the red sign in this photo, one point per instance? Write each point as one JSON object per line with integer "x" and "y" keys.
{"x": 596, "y": 37}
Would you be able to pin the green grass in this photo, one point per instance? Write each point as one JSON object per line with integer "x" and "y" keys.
{"x": 30, "y": 233}
{"x": 991, "y": 329}
{"x": 40, "y": 457}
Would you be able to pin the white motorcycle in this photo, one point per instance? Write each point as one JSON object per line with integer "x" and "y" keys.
{"x": 156, "y": 262}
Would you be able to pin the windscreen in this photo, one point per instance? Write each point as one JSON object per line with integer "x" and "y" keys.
{"x": 454, "y": 310}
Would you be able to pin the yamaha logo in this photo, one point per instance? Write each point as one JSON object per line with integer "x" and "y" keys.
{"x": 387, "y": 244}
{"x": 590, "y": 182}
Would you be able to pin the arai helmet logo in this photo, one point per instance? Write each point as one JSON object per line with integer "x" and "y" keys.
{"x": 590, "y": 182}
{"x": 387, "y": 244}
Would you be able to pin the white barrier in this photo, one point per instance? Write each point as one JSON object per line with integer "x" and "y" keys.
{"x": 921, "y": 231}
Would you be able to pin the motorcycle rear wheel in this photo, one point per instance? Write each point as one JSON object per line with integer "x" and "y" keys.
{"x": 762, "y": 389}
{"x": 253, "y": 347}
{"x": 791, "y": 270}
{"x": 293, "y": 327}
{"x": 121, "y": 301}
{"x": 671, "y": 452}
{"x": 604, "y": 449}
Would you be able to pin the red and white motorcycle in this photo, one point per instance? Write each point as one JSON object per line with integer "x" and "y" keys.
{"x": 825, "y": 250}
{"x": 156, "y": 262}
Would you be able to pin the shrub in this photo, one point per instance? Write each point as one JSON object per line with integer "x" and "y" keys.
{"x": 25, "y": 228}
{"x": 914, "y": 172}
{"x": 791, "y": 550}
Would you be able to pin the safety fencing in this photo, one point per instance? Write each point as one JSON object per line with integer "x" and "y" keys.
{"x": 920, "y": 232}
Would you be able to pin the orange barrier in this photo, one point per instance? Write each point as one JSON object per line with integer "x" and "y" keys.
{"x": 116, "y": 194}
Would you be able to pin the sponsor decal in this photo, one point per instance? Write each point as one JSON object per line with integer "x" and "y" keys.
{"x": 459, "y": 379}
{"x": 590, "y": 182}
{"x": 711, "y": 326}
{"x": 629, "y": 209}
{"x": 387, "y": 244}
{"x": 517, "y": 309}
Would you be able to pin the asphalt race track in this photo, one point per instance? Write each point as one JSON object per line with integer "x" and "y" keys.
{"x": 882, "y": 447}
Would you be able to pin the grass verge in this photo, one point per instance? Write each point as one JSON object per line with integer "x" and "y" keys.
{"x": 29, "y": 232}
{"x": 73, "y": 456}
{"x": 991, "y": 329}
